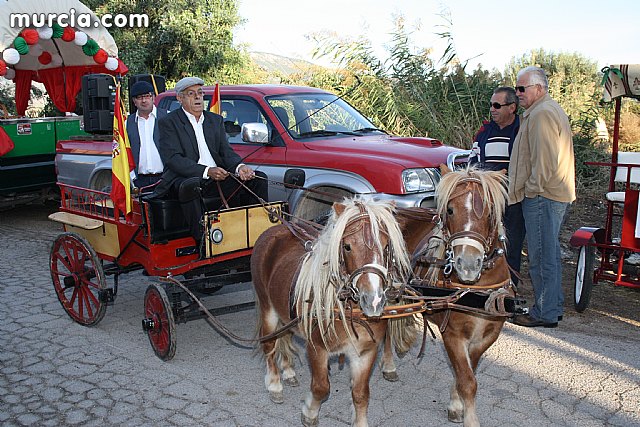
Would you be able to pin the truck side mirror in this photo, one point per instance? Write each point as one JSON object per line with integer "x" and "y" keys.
{"x": 255, "y": 133}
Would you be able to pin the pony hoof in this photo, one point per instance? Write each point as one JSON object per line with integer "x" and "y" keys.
{"x": 292, "y": 382}
{"x": 309, "y": 422}
{"x": 455, "y": 416}
{"x": 392, "y": 376}
{"x": 276, "y": 396}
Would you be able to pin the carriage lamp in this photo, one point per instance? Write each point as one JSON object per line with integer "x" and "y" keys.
{"x": 216, "y": 235}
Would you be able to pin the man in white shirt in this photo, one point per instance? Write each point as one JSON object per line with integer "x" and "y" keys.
{"x": 142, "y": 128}
{"x": 193, "y": 143}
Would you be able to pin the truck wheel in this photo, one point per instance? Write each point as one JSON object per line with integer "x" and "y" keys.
{"x": 102, "y": 181}
{"x": 317, "y": 207}
{"x": 584, "y": 278}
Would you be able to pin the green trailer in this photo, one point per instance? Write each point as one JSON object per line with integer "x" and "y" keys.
{"x": 27, "y": 172}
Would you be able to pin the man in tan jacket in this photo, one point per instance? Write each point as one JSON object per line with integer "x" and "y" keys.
{"x": 542, "y": 178}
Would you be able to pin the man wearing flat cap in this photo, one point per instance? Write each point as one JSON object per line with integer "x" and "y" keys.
{"x": 144, "y": 136}
{"x": 193, "y": 143}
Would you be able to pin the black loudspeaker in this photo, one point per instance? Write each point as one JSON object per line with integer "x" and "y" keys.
{"x": 160, "y": 84}
{"x": 98, "y": 98}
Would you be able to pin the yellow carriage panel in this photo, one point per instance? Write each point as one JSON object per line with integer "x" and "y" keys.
{"x": 236, "y": 229}
{"x": 103, "y": 236}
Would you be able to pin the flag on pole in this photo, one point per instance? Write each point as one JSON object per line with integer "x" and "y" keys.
{"x": 214, "y": 106}
{"x": 122, "y": 159}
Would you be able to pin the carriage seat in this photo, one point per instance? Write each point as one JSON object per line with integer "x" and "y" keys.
{"x": 621, "y": 174}
{"x": 167, "y": 221}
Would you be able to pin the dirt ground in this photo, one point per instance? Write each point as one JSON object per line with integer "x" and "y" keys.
{"x": 610, "y": 305}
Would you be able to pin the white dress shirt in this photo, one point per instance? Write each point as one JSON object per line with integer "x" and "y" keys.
{"x": 149, "y": 161}
{"x": 206, "y": 158}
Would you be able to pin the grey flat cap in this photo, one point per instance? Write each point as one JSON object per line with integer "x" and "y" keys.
{"x": 187, "y": 82}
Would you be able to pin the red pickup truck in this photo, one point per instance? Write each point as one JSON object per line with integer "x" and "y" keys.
{"x": 302, "y": 135}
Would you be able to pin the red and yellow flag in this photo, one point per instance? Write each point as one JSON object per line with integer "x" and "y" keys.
{"x": 122, "y": 159}
{"x": 214, "y": 106}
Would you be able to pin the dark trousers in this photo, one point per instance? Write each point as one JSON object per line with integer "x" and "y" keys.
{"x": 233, "y": 192}
{"x": 146, "y": 180}
{"x": 515, "y": 229}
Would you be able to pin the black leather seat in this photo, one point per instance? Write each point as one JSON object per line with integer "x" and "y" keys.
{"x": 166, "y": 220}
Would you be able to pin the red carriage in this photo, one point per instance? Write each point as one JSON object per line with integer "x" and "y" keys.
{"x": 100, "y": 241}
{"x": 618, "y": 243}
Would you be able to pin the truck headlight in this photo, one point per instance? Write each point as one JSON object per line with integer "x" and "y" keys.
{"x": 418, "y": 180}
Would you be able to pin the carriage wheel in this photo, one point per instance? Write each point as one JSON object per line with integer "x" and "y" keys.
{"x": 78, "y": 278}
{"x": 159, "y": 322}
{"x": 584, "y": 278}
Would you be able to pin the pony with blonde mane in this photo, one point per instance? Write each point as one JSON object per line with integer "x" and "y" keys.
{"x": 462, "y": 250}
{"x": 334, "y": 290}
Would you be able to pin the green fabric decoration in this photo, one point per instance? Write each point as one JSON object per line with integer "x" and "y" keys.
{"x": 606, "y": 71}
{"x": 91, "y": 47}
{"x": 21, "y": 45}
{"x": 57, "y": 31}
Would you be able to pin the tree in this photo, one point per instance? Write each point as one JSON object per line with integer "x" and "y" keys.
{"x": 184, "y": 37}
{"x": 573, "y": 79}
{"x": 410, "y": 93}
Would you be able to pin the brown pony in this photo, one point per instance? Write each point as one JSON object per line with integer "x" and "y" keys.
{"x": 359, "y": 258}
{"x": 462, "y": 250}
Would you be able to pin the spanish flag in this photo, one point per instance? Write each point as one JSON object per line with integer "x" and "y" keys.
{"x": 122, "y": 158}
{"x": 214, "y": 106}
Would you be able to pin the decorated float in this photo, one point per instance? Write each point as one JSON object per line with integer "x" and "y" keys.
{"x": 37, "y": 45}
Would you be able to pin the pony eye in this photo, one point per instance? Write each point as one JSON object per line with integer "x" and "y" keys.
{"x": 449, "y": 211}
{"x": 346, "y": 247}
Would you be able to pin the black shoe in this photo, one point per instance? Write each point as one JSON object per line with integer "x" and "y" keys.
{"x": 559, "y": 318}
{"x": 529, "y": 322}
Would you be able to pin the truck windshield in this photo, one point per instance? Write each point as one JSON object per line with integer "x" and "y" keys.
{"x": 319, "y": 115}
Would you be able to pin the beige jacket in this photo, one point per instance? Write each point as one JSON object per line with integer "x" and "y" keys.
{"x": 542, "y": 161}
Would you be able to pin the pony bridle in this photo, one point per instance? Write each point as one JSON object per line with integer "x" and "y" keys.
{"x": 347, "y": 282}
{"x": 469, "y": 238}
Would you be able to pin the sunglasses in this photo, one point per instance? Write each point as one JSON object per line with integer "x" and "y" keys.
{"x": 521, "y": 89}
{"x": 498, "y": 106}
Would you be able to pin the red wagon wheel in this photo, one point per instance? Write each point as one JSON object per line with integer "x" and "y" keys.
{"x": 159, "y": 322}
{"x": 78, "y": 278}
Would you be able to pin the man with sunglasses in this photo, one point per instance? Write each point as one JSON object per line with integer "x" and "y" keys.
{"x": 542, "y": 178}
{"x": 193, "y": 144}
{"x": 491, "y": 150}
{"x": 142, "y": 129}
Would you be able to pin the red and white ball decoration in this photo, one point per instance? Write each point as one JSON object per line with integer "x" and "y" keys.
{"x": 27, "y": 42}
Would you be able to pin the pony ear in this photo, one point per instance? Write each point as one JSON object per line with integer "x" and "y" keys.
{"x": 444, "y": 169}
{"x": 338, "y": 208}
{"x": 503, "y": 171}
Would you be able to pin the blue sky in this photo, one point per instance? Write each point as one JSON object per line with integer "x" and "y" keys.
{"x": 491, "y": 31}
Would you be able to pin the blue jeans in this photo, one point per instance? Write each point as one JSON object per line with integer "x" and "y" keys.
{"x": 543, "y": 218}
{"x": 514, "y": 228}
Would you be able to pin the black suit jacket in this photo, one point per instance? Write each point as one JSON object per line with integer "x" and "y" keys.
{"x": 134, "y": 135}
{"x": 179, "y": 148}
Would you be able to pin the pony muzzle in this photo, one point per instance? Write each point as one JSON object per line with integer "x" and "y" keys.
{"x": 368, "y": 283}
{"x": 468, "y": 263}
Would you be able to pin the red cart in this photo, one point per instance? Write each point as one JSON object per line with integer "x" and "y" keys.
{"x": 618, "y": 243}
{"x": 100, "y": 241}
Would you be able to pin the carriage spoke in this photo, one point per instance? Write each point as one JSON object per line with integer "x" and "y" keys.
{"x": 63, "y": 260}
{"x": 87, "y": 303}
